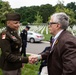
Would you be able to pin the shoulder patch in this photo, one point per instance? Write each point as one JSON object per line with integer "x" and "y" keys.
{"x": 3, "y": 36}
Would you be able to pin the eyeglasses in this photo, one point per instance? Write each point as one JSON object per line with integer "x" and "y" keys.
{"x": 50, "y": 23}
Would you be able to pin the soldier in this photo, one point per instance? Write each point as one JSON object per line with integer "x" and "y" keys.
{"x": 10, "y": 43}
{"x": 24, "y": 40}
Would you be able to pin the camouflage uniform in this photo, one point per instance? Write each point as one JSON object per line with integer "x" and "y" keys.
{"x": 10, "y": 56}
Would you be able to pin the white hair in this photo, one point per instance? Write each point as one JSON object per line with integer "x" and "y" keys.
{"x": 62, "y": 19}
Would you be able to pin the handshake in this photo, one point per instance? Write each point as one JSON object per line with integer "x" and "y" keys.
{"x": 34, "y": 58}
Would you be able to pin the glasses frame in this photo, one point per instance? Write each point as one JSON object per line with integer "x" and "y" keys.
{"x": 50, "y": 23}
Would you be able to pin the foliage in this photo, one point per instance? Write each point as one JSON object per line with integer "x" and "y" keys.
{"x": 47, "y": 37}
{"x": 46, "y": 11}
{"x": 29, "y": 69}
{"x": 28, "y": 13}
{"x": 24, "y": 23}
{"x": 0, "y": 72}
{"x": 38, "y": 18}
{"x": 4, "y": 8}
{"x": 61, "y": 8}
{"x": 34, "y": 13}
{"x": 72, "y": 6}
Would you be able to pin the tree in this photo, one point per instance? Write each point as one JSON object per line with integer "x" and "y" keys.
{"x": 72, "y": 6}
{"x": 38, "y": 18}
{"x": 61, "y": 8}
{"x": 27, "y": 13}
{"x": 4, "y": 8}
{"x": 46, "y": 11}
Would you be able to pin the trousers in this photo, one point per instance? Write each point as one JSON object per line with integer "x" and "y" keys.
{"x": 13, "y": 72}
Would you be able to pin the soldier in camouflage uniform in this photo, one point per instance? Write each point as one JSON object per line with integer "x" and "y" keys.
{"x": 10, "y": 43}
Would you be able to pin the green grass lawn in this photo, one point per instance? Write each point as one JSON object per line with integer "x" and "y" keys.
{"x": 29, "y": 69}
{"x": 47, "y": 36}
{"x": 0, "y": 72}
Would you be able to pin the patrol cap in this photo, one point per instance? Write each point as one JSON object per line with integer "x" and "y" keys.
{"x": 13, "y": 16}
{"x": 28, "y": 27}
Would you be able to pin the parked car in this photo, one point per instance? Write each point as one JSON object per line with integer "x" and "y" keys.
{"x": 34, "y": 37}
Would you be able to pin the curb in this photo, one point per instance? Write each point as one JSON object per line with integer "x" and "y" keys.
{"x": 31, "y": 54}
{"x": 45, "y": 41}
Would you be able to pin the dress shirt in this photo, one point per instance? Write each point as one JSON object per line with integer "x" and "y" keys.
{"x": 55, "y": 38}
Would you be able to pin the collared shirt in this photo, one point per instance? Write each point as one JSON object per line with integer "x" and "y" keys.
{"x": 56, "y": 36}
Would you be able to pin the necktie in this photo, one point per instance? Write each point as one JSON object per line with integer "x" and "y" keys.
{"x": 52, "y": 44}
{"x": 53, "y": 40}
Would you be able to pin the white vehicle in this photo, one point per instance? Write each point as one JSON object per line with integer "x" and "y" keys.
{"x": 34, "y": 37}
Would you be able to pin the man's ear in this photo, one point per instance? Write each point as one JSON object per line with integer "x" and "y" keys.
{"x": 59, "y": 26}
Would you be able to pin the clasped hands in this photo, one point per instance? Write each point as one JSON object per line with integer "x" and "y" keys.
{"x": 33, "y": 59}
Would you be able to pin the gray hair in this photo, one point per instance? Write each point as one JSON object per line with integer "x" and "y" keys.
{"x": 62, "y": 19}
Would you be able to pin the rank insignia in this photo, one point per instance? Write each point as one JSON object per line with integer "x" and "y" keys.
{"x": 56, "y": 42}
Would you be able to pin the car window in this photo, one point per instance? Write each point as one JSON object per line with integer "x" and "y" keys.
{"x": 30, "y": 33}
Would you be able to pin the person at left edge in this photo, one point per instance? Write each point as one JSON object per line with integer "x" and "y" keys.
{"x": 10, "y": 43}
{"x": 24, "y": 40}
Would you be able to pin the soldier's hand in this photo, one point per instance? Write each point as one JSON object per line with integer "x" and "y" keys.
{"x": 33, "y": 59}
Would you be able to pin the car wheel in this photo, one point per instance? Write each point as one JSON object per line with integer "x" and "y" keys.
{"x": 32, "y": 40}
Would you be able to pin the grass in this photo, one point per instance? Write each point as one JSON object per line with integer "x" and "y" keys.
{"x": 0, "y": 72}
{"x": 47, "y": 37}
{"x": 28, "y": 69}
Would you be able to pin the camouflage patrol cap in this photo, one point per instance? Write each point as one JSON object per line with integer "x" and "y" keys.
{"x": 13, "y": 16}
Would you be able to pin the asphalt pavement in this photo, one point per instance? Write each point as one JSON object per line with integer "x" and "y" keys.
{"x": 36, "y": 48}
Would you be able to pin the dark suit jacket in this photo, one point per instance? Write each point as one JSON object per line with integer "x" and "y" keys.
{"x": 62, "y": 60}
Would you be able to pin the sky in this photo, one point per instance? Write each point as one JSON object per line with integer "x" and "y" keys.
{"x": 21, "y": 3}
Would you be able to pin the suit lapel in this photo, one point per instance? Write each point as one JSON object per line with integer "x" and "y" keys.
{"x": 52, "y": 49}
{"x": 57, "y": 41}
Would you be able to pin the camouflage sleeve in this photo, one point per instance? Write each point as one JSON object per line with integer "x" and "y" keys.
{"x": 8, "y": 55}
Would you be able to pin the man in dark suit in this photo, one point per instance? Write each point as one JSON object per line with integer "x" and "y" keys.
{"x": 62, "y": 57}
{"x": 24, "y": 40}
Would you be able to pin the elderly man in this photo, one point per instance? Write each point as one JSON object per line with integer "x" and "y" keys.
{"x": 10, "y": 43}
{"x": 62, "y": 57}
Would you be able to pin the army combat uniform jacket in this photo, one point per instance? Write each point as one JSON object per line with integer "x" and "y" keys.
{"x": 10, "y": 56}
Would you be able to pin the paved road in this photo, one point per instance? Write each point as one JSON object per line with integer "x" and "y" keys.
{"x": 36, "y": 48}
